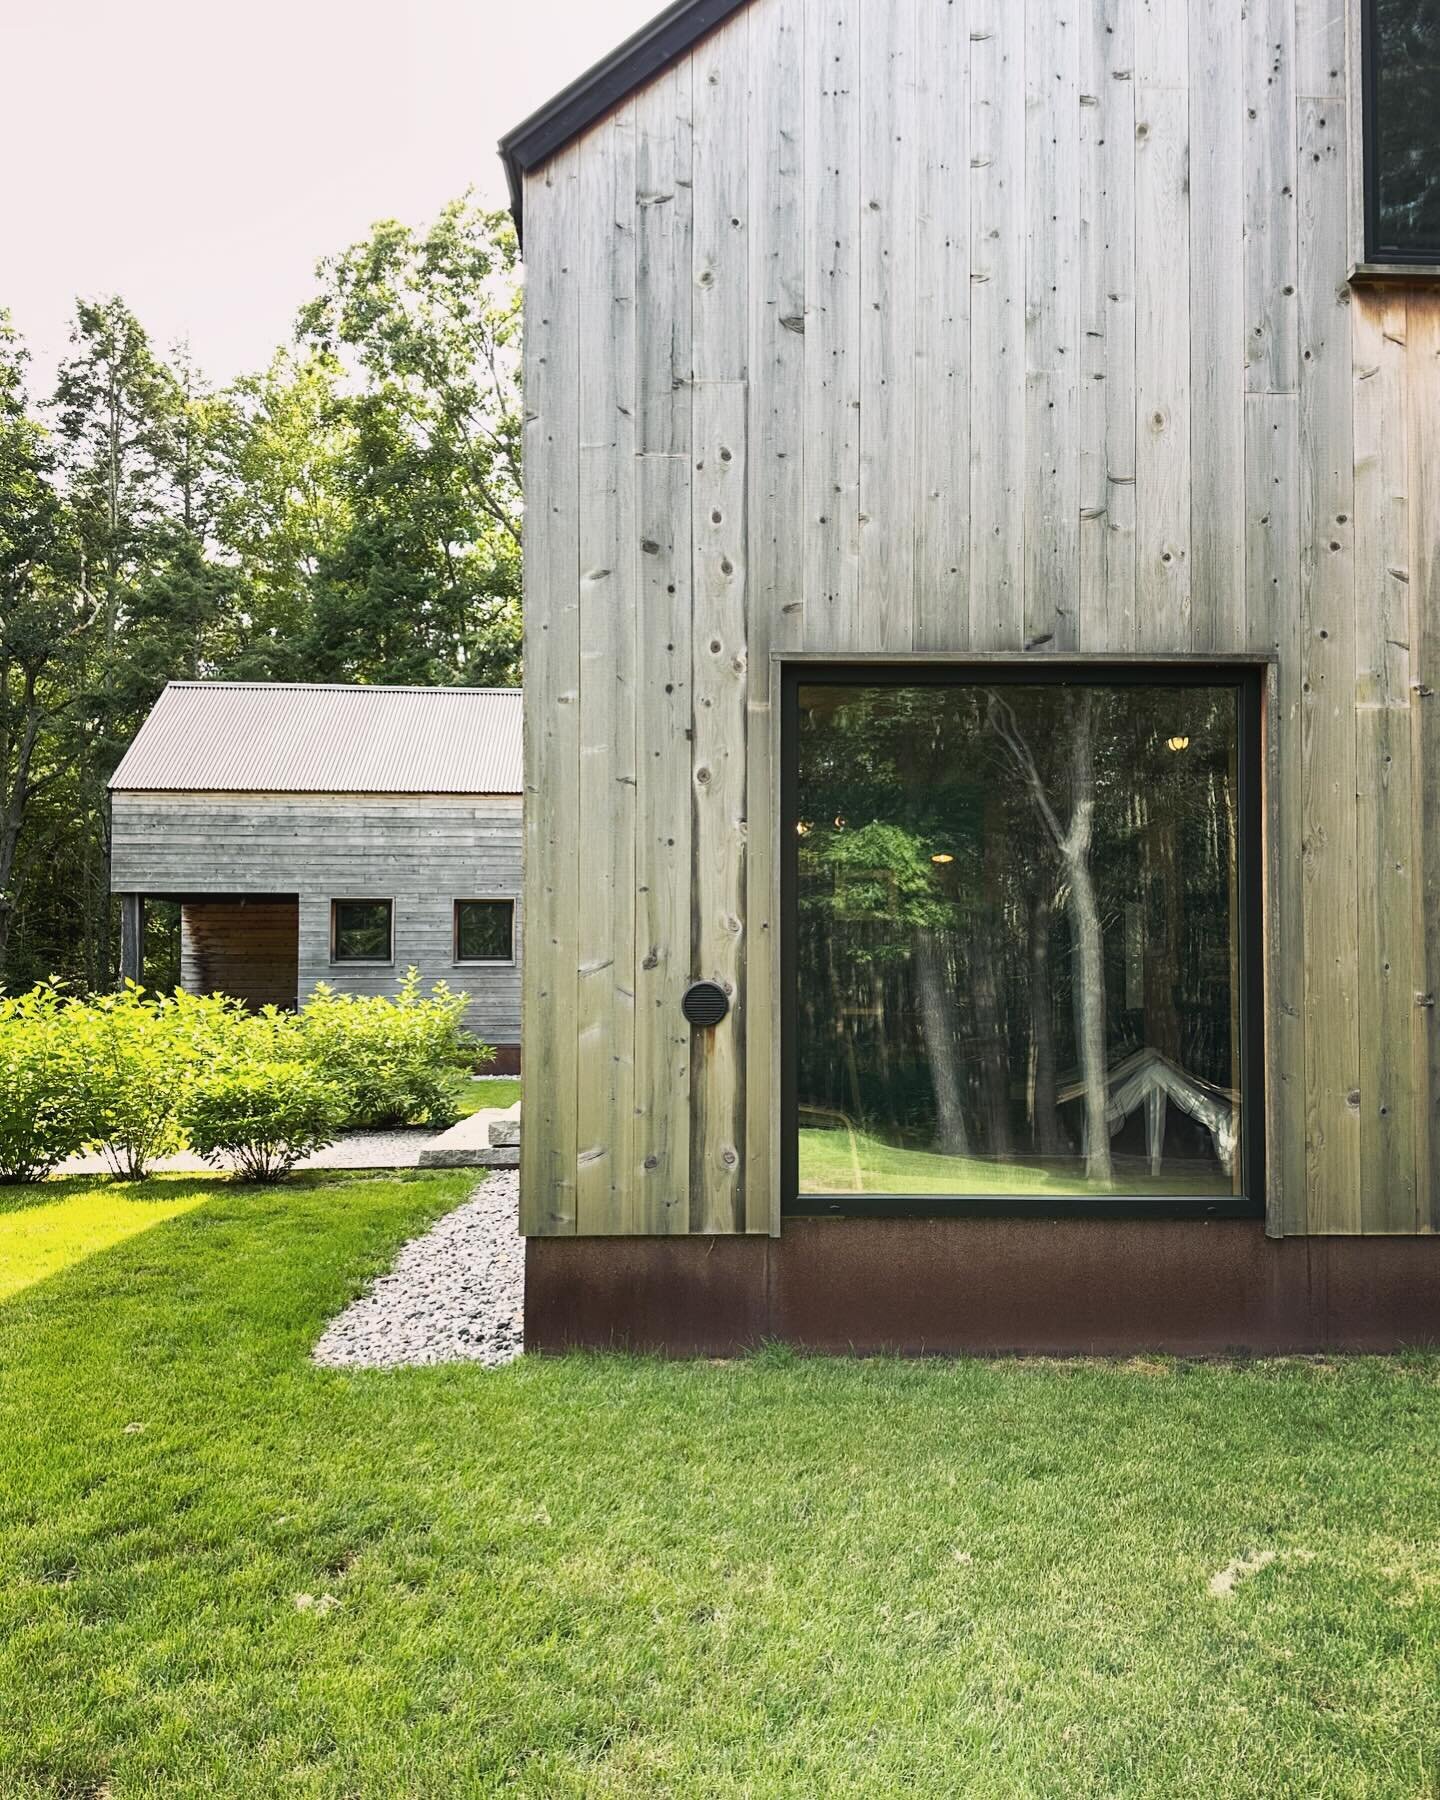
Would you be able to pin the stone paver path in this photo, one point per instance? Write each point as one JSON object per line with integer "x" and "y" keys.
{"x": 467, "y": 1144}
{"x": 356, "y": 1150}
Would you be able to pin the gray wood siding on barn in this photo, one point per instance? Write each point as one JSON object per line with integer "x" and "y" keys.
{"x": 1010, "y": 326}
{"x": 424, "y": 852}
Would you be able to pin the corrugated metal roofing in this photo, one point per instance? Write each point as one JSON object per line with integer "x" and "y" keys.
{"x": 271, "y": 738}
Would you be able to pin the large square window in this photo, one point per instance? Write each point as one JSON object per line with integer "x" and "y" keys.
{"x": 361, "y": 931}
{"x": 1022, "y": 940}
{"x": 1401, "y": 44}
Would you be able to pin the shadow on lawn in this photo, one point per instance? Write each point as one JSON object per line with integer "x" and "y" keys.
{"x": 164, "y": 1189}
{"x": 155, "y": 1189}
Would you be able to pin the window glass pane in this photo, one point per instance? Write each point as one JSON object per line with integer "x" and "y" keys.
{"x": 362, "y": 931}
{"x": 483, "y": 930}
{"x": 1016, "y": 940}
{"x": 1405, "y": 132}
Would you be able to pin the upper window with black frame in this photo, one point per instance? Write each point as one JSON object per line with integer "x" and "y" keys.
{"x": 484, "y": 931}
{"x": 1401, "y": 43}
{"x": 1021, "y": 918}
{"x": 362, "y": 931}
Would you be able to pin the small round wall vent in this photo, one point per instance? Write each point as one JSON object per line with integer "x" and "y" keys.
{"x": 705, "y": 1004}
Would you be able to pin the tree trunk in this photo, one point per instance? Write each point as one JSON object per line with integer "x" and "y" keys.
{"x": 7, "y": 915}
{"x": 9, "y": 837}
{"x": 1089, "y": 950}
{"x": 1045, "y": 1120}
{"x": 986, "y": 977}
{"x": 937, "y": 1029}
{"x": 993, "y": 1045}
{"x": 1089, "y": 946}
{"x": 1072, "y": 845}
{"x": 844, "y": 1037}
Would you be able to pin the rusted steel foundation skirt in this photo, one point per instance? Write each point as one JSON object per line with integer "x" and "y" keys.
{"x": 1082, "y": 1286}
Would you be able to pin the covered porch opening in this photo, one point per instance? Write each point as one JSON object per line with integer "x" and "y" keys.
{"x": 243, "y": 945}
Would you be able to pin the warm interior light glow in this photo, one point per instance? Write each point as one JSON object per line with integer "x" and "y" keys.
{"x": 943, "y": 857}
{"x": 1177, "y": 743}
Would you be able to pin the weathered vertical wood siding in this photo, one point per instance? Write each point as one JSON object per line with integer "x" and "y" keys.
{"x": 958, "y": 327}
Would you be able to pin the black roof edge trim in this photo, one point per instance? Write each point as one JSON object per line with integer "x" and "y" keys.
{"x": 604, "y": 86}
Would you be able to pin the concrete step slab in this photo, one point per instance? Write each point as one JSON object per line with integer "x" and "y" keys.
{"x": 467, "y": 1144}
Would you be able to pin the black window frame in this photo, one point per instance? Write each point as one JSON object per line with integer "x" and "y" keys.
{"x": 1249, "y": 680}
{"x": 481, "y": 962}
{"x": 360, "y": 962}
{"x": 1375, "y": 252}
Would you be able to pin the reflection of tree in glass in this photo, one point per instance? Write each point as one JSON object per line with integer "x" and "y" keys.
{"x": 885, "y": 880}
{"x": 942, "y": 992}
{"x": 1071, "y": 841}
{"x": 877, "y": 911}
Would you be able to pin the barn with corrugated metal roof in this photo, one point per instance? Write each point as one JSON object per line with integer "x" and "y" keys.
{"x": 329, "y": 833}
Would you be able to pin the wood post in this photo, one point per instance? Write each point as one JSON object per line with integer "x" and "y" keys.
{"x": 132, "y": 938}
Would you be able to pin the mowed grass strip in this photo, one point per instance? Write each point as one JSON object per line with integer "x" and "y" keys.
{"x": 473, "y": 1096}
{"x": 615, "y": 1576}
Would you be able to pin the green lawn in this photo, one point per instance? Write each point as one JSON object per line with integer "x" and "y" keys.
{"x": 841, "y": 1161}
{"x": 494, "y": 1090}
{"x": 45, "y": 1228}
{"x": 609, "y": 1576}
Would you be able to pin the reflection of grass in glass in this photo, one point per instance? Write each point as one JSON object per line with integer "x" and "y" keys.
{"x": 829, "y": 1161}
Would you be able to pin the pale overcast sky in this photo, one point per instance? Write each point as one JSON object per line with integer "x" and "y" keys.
{"x": 198, "y": 157}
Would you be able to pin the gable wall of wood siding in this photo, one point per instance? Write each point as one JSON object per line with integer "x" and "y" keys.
{"x": 424, "y": 852}
{"x": 993, "y": 325}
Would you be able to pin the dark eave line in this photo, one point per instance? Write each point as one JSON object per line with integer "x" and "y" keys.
{"x": 612, "y": 79}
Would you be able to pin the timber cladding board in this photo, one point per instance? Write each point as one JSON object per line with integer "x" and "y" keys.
{"x": 250, "y": 950}
{"x": 422, "y": 852}
{"x": 953, "y": 329}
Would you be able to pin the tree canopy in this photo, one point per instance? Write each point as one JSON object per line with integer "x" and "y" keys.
{"x": 350, "y": 512}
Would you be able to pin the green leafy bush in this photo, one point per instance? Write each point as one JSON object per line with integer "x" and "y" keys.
{"x": 262, "y": 1116}
{"x": 134, "y": 1055}
{"x": 394, "y": 1060}
{"x": 42, "y": 1102}
{"x": 137, "y": 1075}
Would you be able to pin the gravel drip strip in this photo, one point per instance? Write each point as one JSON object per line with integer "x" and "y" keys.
{"x": 455, "y": 1295}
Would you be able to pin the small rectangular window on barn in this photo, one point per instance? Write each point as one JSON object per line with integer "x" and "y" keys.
{"x": 484, "y": 931}
{"x": 1400, "y": 99}
{"x": 362, "y": 931}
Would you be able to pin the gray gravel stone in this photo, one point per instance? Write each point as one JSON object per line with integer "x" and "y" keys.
{"x": 398, "y": 1149}
{"x": 457, "y": 1294}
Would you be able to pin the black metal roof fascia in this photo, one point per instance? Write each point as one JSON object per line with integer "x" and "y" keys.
{"x": 599, "y": 89}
